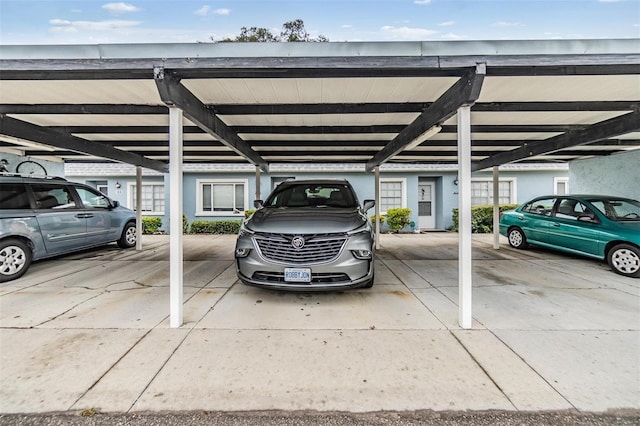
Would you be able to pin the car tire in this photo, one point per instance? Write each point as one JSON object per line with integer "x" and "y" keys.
{"x": 517, "y": 239}
{"x": 128, "y": 238}
{"x": 15, "y": 259}
{"x": 624, "y": 259}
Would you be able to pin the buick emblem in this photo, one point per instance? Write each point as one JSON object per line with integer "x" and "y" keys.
{"x": 297, "y": 242}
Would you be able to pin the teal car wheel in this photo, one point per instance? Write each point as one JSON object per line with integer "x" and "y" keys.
{"x": 624, "y": 259}
{"x": 517, "y": 239}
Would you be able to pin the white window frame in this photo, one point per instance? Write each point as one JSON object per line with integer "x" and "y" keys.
{"x": 403, "y": 184}
{"x": 200, "y": 182}
{"x": 131, "y": 192}
{"x": 565, "y": 181}
{"x": 514, "y": 189}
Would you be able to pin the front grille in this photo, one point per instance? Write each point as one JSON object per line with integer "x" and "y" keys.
{"x": 321, "y": 278}
{"x": 320, "y": 248}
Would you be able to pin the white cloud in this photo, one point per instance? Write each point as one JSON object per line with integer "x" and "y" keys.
{"x": 446, "y": 23}
{"x": 452, "y": 36}
{"x": 203, "y": 11}
{"x": 406, "y": 33}
{"x": 60, "y": 25}
{"x": 505, "y": 24}
{"x": 422, "y": 1}
{"x": 347, "y": 26}
{"x": 120, "y": 7}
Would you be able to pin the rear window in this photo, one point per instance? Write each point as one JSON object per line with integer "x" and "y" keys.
{"x": 13, "y": 196}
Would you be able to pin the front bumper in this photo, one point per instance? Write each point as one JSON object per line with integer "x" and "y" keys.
{"x": 343, "y": 272}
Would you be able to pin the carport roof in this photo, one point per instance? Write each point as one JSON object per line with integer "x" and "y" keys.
{"x": 359, "y": 103}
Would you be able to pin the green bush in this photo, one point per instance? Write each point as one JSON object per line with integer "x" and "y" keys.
{"x": 151, "y": 225}
{"x": 215, "y": 226}
{"x": 398, "y": 218}
{"x": 373, "y": 219}
{"x": 185, "y": 224}
{"x": 481, "y": 218}
{"x": 248, "y": 213}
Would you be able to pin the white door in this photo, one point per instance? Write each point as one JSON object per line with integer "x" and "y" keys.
{"x": 426, "y": 205}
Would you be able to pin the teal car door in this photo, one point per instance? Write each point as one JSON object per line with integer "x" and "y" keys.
{"x": 574, "y": 227}
{"x": 535, "y": 220}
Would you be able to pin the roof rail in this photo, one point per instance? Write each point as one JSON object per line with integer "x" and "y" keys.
{"x": 34, "y": 176}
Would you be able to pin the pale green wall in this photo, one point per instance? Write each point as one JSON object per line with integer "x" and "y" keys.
{"x": 617, "y": 174}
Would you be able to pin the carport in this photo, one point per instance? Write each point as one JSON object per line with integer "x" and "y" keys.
{"x": 477, "y": 104}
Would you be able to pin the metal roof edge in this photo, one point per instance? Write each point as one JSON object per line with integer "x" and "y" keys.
{"x": 113, "y": 169}
{"x": 328, "y": 49}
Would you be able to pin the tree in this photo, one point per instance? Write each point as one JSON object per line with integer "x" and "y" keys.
{"x": 253, "y": 34}
{"x": 292, "y": 31}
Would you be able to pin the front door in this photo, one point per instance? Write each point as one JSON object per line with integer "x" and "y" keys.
{"x": 426, "y": 205}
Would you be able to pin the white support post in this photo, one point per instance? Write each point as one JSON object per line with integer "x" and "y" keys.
{"x": 138, "y": 208}
{"x": 496, "y": 208}
{"x": 377, "y": 207}
{"x": 175, "y": 217}
{"x": 464, "y": 211}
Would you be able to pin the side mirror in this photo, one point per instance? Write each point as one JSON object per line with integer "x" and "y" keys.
{"x": 258, "y": 204}
{"x": 115, "y": 203}
{"x": 368, "y": 205}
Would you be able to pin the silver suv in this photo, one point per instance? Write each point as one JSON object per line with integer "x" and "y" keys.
{"x": 308, "y": 235}
{"x": 44, "y": 217}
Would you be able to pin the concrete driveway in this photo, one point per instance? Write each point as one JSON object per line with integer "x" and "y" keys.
{"x": 91, "y": 330}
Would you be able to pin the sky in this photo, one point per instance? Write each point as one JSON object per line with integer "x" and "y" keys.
{"x": 188, "y": 21}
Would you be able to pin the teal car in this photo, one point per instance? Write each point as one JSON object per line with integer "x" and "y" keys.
{"x": 595, "y": 226}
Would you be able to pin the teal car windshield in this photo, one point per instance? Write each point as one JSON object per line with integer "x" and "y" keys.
{"x": 618, "y": 210}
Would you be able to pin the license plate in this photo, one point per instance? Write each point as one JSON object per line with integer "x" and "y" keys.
{"x": 298, "y": 275}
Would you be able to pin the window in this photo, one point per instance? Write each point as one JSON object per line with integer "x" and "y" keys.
{"x": 393, "y": 194}
{"x": 561, "y": 185}
{"x": 482, "y": 192}
{"x": 53, "y": 196}
{"x": 92, "y": 199}
{"x": 152, "y": 202}
{"x": 222, "y": 198}
{"x": 13, "y": 196}
{"x": 542, "y": 207}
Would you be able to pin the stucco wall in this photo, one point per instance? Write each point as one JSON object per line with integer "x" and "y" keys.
{"x": 611, "y": 175}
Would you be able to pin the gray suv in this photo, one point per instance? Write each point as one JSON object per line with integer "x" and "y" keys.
{"x": 44, "y": 217}
{"x": 307, "y": 235}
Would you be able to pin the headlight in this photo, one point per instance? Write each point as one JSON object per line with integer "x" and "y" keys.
{"x": 242, "y": 252}
{"x": 362, "y": 254}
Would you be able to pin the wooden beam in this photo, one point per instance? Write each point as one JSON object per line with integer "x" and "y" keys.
{"x": 604, "y": 130}
{"x": 30, "y": 132}
{"x": 173, "y": 93}
{"x": 464, "y": 92}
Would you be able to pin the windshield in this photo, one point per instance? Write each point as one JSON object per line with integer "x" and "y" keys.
{"x": 312, "y": 195}
{"x": 618, "y": 210}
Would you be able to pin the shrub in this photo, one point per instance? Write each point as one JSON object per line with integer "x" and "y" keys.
{"x": 481, "y": 218}
{"x": 398, "y": 218}
{"x": 215, "y": 226}
{"x": 185, "y": 224}
{"x": 373, "y": 219}
{"x": 248, "y": 213}
{"x": 151, "y": 225}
